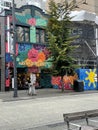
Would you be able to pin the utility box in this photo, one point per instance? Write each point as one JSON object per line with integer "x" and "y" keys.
{"x": 78, "y": 85}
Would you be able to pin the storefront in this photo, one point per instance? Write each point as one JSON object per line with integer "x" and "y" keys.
{"x": 32, "y": 54}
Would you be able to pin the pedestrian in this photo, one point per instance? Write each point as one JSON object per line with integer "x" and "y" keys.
{"x": 32, "y": 84}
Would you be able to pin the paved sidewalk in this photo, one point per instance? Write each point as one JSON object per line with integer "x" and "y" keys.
{"x": 41, "y": 93}
{"x": 44, "y": 111}
{"x": 62, "y": 126}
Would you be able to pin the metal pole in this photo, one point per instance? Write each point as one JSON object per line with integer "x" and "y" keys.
{"x": 97, "y": 54}
{"x": 90, "y": 48}
{"x": 14, "y": 50}
{"x": 97, "y": 71}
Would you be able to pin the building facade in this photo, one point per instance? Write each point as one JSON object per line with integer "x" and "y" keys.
{"x": 31, "y": 45}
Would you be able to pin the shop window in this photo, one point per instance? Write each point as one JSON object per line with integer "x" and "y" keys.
{"x": 40, "y": 35}
{"x": 23, "y": 34}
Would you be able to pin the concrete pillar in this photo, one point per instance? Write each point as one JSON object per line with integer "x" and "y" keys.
{"x": 2, "y": 22}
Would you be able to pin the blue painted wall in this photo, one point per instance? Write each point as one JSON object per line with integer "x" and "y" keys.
{"x": 89, "y": 77}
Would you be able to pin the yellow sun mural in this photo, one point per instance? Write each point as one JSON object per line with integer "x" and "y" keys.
{"x": 91, "y": 77}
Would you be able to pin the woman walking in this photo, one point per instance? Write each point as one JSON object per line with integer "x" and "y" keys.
{"x": 32, "y": 84}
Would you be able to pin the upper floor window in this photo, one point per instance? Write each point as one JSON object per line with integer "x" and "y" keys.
{"x": 23, "y": 34}
{"x": 7, "y": 4}
{"x": 40, "y": 35}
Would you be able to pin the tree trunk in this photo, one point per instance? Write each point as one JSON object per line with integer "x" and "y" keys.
{"x": 62, "y": 84}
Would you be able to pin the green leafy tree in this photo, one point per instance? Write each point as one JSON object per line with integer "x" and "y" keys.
{"x": 60, "y": 40}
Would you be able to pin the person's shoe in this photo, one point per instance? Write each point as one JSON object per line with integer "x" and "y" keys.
{"x": 34, "y": 94}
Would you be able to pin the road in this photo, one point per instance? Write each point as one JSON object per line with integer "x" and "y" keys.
{"x": 43, "y": 113}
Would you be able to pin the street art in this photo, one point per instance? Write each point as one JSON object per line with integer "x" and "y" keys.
{"x": 89, "y": 77}
{"x": 29, "y": 56}
{"x": 67, "y": 80}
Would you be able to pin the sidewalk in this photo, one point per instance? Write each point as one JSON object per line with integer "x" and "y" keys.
{"x": 44, "y": 111}
{"x": 41, "y": 93}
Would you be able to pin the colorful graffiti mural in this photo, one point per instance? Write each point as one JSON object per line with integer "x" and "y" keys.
{"x": 68, "y": 81}
{"x": 29, "y": 56}
{"x": 89, "y": 77}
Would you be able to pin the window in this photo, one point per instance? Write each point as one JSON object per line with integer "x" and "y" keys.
{"x": 7, "y": 4}
{"x": 20, "y": 36}
{"x": 23, "y": 34}
{"x": 40, "y": 35}
{"x": 37, "y": 36}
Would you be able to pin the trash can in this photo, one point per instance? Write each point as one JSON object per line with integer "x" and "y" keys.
{"x": 78, "y": 85}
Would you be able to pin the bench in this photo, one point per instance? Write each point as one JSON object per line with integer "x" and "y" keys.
{"x": 78, "y": 116}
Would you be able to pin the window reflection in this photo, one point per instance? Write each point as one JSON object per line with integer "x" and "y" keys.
{"x": 26, "y": 37}
{"x": 40, "y": 35}
{"x": 20, "y": 33}
{"x": 23, "y": 34}
{"x": 37, "y": 38}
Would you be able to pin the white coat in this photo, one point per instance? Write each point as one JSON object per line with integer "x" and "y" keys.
{"x": 32, "y": 86}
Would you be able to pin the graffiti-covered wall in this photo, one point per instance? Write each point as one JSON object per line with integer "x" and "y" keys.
{"x": 33, "y": 52}
{"x": 32, "y": 55}
{"x": 67, "y": 80}
{"x": 89, "y": 77}
{"x": 31, "y": 46}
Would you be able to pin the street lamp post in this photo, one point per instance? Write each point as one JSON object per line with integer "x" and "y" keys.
{"x": 14, "y": 49}
{"x": 97, "y": 54}
{"x": 97, "y": 70}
